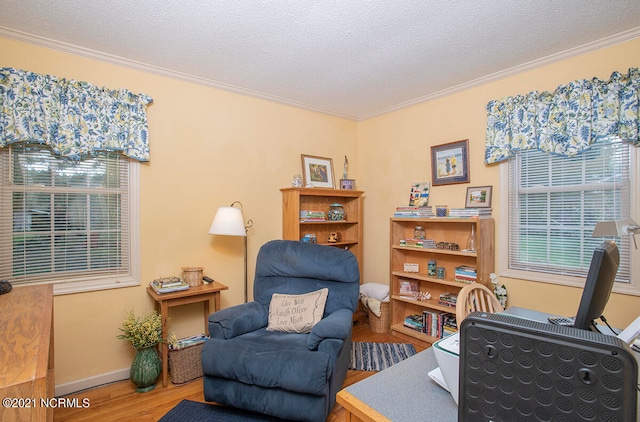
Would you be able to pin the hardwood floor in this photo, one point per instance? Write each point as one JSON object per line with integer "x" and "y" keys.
{"x": 119, "y": 401}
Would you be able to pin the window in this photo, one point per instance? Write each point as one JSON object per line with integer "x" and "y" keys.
{"x": 71, "y": 223}
{"x": 554, "y": 204}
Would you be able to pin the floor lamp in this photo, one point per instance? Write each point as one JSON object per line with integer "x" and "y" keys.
{"x": 229, "y": 221}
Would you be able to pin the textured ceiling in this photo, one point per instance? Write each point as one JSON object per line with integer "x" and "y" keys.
{"x": 354, "y": 58}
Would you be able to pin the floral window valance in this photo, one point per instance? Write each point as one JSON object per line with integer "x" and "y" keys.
{"x": 76, "y": 119}
{"x": 566, "y": 121}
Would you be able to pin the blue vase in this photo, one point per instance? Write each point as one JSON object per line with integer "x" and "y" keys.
{"x": 145, "y": 369}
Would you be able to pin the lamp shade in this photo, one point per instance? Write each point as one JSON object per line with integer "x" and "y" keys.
{"x": 228, "y": 222}
{"x": 615, "y": 228}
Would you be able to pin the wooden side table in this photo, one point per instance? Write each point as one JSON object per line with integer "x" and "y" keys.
{"x": 203, "y": 293}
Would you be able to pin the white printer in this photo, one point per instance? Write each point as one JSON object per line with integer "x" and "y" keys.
{"x": 447, "y": 352}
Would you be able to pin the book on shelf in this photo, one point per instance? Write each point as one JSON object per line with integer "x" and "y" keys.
{"x": 449, "y": 321}
{"x": 469, "y": 212}
{"x": 419, "y": 196}
{"x": 414, "y": 322}
{"x": 448, "y": 299}
{"x": 310, "y": 215}
{"x": 465, "y": 274}
{"x": 418, "y": 243}
{"x": 413, "y": 212}
{"x": 446, "y": 332}
{"x": 160, "y": 288}
{"x": 439, "y": 324}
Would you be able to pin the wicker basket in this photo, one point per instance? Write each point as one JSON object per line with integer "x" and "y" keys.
{"x": 380, "y": 324}
{"x": 192, "y": 275}
{"x": 185, "y": 364}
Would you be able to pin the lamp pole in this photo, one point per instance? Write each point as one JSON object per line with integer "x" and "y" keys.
{"x": 247, "y": 226}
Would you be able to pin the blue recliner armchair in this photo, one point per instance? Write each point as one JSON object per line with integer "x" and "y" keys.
{"x": 288, "y": 375}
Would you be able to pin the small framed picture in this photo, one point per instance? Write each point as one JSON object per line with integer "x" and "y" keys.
{"x": 347, "y": 184}
{"x": 408, "y": 287}
{"x": 419, "y": 196}
{"x": 478, "y": 197}
{"x": 450, "y": 163}
{"x": 317, "y": 172}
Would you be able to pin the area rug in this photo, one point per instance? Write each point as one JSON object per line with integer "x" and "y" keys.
{"x": 367, "y": 356}
{"x": 190, "y": 411}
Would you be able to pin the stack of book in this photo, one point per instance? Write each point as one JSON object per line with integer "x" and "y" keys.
{"x": 414, "y": 322}
{"x": 449, "y": 325}
{"x": 439, "y": 324}
{"x": 413, "y": 212}
{"x": 448, "y": 299}
{"x": 469, "y": 212}
{"x": 168, "y": 285}
{"x": 465, "y": 274}
{"x": 418, "y": 243}
{"x": 306, "y": 216}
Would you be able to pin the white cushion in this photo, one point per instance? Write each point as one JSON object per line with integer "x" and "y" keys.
{"x": 296, "y": 313}
{"x": 375, "y": 290}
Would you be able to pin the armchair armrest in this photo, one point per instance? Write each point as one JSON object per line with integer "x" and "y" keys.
{"x": 237, "y": 320}
{"x": 337, "y": 325}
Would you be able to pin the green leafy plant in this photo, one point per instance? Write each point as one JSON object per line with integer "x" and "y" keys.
{"x": 142, "y": 331}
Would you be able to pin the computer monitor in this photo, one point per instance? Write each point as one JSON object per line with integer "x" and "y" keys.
{"x": 597, "y": 288}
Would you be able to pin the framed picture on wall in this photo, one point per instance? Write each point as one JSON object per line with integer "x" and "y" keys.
{"x": 317, "y": 171}
{"x": 450, "y": 163}
{"x": 478, "y": 197}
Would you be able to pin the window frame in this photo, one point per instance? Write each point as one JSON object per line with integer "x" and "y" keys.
{"x": 81, "y": 283}
{"x": 631, "y": 288}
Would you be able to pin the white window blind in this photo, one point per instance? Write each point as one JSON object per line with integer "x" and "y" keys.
{"x": 65, "y": 221}
{"x": 556, "y": 201}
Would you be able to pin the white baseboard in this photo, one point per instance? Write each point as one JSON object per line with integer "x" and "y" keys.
{"x": 83, "y": 384}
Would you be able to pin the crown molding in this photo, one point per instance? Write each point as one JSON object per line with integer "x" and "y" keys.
{"x": 112, "y": 59}
{"x": 583, "y": 49}
{"x": 145, "y": 67}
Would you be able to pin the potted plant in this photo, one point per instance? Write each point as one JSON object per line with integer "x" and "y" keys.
{"x": 144, "y": 333}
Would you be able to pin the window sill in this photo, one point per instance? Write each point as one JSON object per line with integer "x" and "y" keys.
{"x": 93, "y": 285}
{"x": 578, "y": 282}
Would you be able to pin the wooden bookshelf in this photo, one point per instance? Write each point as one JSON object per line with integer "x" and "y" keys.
{"x": 318, "y": 199}
{"x": 453, "y": 230}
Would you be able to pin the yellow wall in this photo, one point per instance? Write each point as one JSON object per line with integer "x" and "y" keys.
{"x": 210, "y": 147}
{"x": 394, "y": 151}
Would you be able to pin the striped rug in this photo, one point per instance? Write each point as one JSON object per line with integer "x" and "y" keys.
{"x": 367, "y": 356}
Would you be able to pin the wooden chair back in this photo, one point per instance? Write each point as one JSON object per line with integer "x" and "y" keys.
{"x": 476, "y": 297}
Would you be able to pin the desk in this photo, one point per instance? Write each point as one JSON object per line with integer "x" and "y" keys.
{"x": 404, "y": 392}
{"x": 203, "y": 293}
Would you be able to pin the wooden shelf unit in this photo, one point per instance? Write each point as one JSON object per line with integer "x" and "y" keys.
{"x": 318, "y": 199}
{"x": 453, "y": 230}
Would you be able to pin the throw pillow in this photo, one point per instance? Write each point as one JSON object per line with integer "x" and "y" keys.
{"x": 296, "y": 313}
